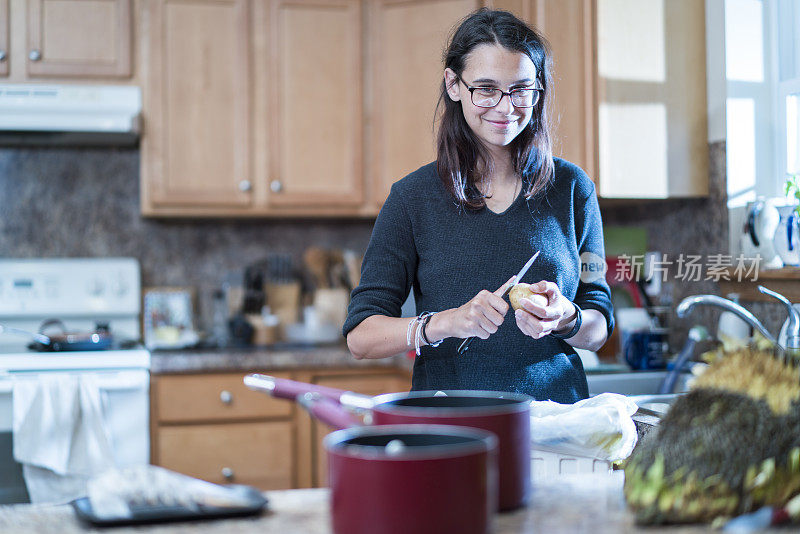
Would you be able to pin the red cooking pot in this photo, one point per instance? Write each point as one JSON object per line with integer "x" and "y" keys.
{"x": 507, "y": 415}
{"x": 397, "y": 479}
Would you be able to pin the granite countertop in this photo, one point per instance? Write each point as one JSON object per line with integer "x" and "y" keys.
{"x": 574, "y": 503}
{"x": 273, "y": 358}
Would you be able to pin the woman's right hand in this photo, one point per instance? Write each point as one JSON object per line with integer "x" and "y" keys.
{"x": 481, "y": 316}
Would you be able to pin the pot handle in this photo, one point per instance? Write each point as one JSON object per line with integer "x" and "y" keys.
{"x": 284, "y": 388}
{"x": 327, "y": 411}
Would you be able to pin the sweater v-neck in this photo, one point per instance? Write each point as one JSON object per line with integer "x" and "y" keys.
{"x": 506, "y": 211}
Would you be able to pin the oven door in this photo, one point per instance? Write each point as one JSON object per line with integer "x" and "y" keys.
{"x": 126, "y": 410}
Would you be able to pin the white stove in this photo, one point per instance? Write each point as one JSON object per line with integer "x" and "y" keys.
{"x": 80, "y": 292}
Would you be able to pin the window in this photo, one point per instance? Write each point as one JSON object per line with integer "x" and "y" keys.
{"x": 788, "y": 84}
{"x": 762, "y": 65}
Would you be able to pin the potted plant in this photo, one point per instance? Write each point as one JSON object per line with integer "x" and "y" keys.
{"x": 787, "y": 239}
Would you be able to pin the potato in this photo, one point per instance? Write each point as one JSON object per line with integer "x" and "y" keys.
{"x": 521, "y": 291}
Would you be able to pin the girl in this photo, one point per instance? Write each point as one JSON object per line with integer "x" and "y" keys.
{"x": 455, "y": 230}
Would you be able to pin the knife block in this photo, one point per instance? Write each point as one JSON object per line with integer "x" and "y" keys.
{"x": 330, "y": 305}
{"x": 284, "y": 301}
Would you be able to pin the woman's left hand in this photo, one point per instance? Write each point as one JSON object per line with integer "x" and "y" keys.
{"x": 537, "y": 321}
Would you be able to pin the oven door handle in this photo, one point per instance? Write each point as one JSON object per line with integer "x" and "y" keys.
{"x": 118, "y": 381}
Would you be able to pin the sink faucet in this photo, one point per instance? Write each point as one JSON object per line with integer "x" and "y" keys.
{"x": 792, "y": 329}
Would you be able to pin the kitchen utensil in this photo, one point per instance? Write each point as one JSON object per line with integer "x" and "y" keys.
{"x": 465, "y": 344}
{"x": 696, "y": 334}
{"x": 507, "y": 415}
{"x": 446, "y": 474}
{"x": 397, "y": 479}
{"x": 284, "y": 301}
{"x": 353, "y": 263}
{"x": 100, "y": 339}
{"x": 761, "y": 223}
{"x": 645, "y": 349}
{"x": 254, "y": 287}
{"x": 330, "y": 305}
{"x": 317, "y": 261}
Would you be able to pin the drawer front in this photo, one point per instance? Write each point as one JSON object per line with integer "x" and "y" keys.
{"x": 214, "y": 397}
{"x": 257, "y": 454}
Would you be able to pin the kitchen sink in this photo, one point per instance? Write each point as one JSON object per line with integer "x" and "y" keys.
{"x": 633, "y": 382}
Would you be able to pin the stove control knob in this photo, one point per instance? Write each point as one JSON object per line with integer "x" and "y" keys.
{"x": 96, "y": 287}
{"x": 119, "y": 287}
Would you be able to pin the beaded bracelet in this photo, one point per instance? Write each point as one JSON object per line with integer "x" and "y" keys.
{"x": 418, "y": 334}
{"x": 425, "y": 335}
{"x": 572, "y": 331}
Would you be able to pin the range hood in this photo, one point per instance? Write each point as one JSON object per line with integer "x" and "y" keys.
{"x": 69, "y": 115}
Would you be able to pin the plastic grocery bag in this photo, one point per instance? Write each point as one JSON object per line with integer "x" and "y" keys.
{"x": 598, "y": 427}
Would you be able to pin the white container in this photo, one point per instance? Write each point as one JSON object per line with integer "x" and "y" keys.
{"x": 550, "y": 463}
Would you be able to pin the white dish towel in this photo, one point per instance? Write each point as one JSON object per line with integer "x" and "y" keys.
{"x": 59, "y": 435}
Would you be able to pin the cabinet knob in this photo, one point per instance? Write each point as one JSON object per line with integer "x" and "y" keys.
{"x": 226, "y": 396}
{"x": 228, "y": 473}
{"x": 2, "y": 55}
{"x": 35, "y": 55}
{"x": 245, "y": 186}
{"x": 276, "y": 186}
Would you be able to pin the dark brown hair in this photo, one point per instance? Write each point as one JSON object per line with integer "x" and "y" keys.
{"x": 462, "y": 160}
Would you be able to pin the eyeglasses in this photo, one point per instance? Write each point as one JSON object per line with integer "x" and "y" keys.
{"x": 489, "y": 97}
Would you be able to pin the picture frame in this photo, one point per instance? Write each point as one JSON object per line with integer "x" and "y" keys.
{"x": 168, "y": 315}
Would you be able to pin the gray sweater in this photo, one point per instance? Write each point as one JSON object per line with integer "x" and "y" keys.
{"x": 423, "y": 241}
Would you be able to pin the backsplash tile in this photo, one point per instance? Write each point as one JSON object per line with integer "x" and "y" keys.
{"x": 85, "y": 202}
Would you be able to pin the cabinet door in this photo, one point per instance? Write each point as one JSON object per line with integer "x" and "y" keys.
{"x": 652, "y": 99}
{"x": 4, "y": 38}
{"x": 196, "y": 148}
{"x": 315, "y": 103}
{"x": 569, "y": 27}
{"x": 259, "y": 454}
{"x": 404, "y": 72}
{"x": 79, "y": 38}
{"x": 371, "y": 385}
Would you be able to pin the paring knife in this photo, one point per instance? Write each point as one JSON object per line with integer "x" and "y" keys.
{"x": 465, "y": 344}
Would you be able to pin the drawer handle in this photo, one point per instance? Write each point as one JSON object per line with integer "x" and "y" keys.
{"x": 35, "y": 55}
{"x": 228, "y": 474}
{"x": 226, "y": 397}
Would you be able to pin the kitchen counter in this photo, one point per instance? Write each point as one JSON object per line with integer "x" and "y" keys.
{"x": 277, "y": 358}
{"x": 575, "y": 503}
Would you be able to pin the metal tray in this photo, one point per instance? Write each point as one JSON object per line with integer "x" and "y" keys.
{"x": 147, "y": 514}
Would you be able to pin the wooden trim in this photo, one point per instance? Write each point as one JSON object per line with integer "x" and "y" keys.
{"x": 259, "y": 212}
{"x": 591, "y": 97}
{"x": 304, "y": 433}
{"x": 121, "y": 68}
{"x": 4, "y": 40}
{"x": 785, "y": 281}
{"x": 374, "y": 117}
{"x": 154, "y": 459}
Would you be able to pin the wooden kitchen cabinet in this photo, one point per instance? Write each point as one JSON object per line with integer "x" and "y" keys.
{"x": 212, "y": 427}
{"x": 79, "y": 38}
{"x": 569, "y": 26}
{"x": 629, "y": 92}
{"x": 197, "y": 145}
{"x": 314, "y": 104}
{"x": 404, "y": 76}
{"x": 321, "y": 139}
{"x": 652, "y": 118}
